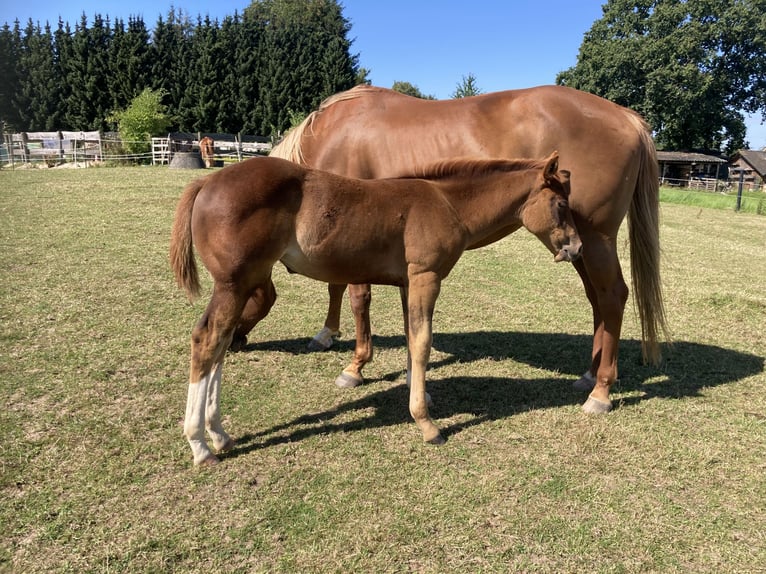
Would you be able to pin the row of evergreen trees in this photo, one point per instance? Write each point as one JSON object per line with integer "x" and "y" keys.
{"x": 251, "y": 72}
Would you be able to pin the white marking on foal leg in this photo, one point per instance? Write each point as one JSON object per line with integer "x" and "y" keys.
{"x": 323, "y": 340}
{"x": 221, "y": 440}
{"x": 194, "y": 421}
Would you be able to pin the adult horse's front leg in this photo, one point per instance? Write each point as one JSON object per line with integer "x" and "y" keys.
{"x": 325, "y": 338}
{"x": 360, "y": 296}
{"x": 610, "y": 293}
{"x": 421, "y": 297}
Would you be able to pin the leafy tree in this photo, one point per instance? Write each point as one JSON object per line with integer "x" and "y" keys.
{"x": 143, "y": 118}
{"x": 467, "y": 87}
{"x": 410, "y": 90}
{"x": 691, "y": 67}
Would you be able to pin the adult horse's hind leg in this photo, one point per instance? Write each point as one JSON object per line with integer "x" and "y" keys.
{"x": 210, "y": 338}
{"x": 257, "y": 307}
{"x": 324, "y": 339}
{"x": 360, "y": 296}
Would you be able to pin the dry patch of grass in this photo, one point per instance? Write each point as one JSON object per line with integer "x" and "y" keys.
{"x": 95, "y": 476}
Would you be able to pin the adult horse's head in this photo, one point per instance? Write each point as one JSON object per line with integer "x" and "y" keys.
{"x": 546, "y": 212}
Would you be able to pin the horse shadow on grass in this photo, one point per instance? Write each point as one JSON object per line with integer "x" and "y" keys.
{"x": 687, "y": 369}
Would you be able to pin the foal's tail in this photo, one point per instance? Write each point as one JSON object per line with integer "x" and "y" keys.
{"x": 644, "y": 234}
{"x": 181, "y": 251}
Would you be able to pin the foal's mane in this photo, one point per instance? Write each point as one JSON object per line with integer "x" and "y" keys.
{"x": 471, "y": 167}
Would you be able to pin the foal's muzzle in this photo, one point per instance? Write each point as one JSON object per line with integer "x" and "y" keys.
{"x": 570, "y": 252}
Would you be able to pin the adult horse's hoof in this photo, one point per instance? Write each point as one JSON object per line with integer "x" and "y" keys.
{"x": 348, "y": 381}
{"x": 585, "y": 383}
{"x": 596, "y": 407}
{"x": 323, "y": 340}
{"x": 238, "y": 344}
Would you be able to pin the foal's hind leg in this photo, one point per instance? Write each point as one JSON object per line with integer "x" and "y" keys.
{"x": 258, "y": 306}
{"x": 360, "y": 296}
{"x": 210, "y": 338}
{"x": 324, "y": 339}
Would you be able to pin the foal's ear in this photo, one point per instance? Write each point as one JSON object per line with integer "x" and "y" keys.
{"x": 551, "y": 165}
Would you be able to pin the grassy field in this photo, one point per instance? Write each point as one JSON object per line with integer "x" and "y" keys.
{"x": 750, "y": 202}
{"x": 96, "y": 477}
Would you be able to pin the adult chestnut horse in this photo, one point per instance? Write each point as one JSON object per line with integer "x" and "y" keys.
{"x": 370, "y": 132}
{"x": 407, "y": 232}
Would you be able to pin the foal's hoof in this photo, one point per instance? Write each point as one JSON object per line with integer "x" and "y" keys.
{"x": 230, "y": 444}
{"x": 323, "y": 340}
{"x": 596, "y": 407}
{"x": 238, "y": 344}
{"x": 348, "y": 381}
{"x": 437, "y": 440}
{"x": 585, "y": 383}
{"x": 210, "y": 460}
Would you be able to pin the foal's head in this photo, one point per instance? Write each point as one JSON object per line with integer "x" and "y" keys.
{"x": 546, "y": 212}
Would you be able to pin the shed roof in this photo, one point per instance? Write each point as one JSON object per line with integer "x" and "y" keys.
{"x": 756, "y": 159}
{"x": 687, "y": 157}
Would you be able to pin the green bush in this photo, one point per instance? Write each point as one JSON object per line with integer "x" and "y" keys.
{"x": 143, "y": 118}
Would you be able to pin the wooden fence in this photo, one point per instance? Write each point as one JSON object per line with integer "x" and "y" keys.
{"x": 54, "y": 148}
{"x": 238, "y": 146}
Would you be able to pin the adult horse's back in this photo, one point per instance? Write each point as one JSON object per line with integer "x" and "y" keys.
{"x": 370, "y": 132}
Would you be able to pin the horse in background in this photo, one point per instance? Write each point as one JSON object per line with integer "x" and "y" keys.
{"x": 407, "y": 232}
{"x": 370, "y": 132}
{"x": 207, "y": 151}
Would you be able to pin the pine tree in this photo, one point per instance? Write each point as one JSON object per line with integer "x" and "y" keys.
{"x": 129, "y": 61}
{"x": 61, "y": 62}
{"x": 97, "y": 75}
{"x": 77, "y": 114}
{"x": 10, "y": 49}
{"x": 37, "y": 93}
{"x": 228, "y": 86}
{"x": 205, "y": 79}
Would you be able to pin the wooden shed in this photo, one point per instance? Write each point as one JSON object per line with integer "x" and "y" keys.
{"x": 691, "y": 169}
{"x": 752, "y": 164}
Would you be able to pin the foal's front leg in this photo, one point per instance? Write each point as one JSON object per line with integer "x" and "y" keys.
{"x": 421, "y": 298}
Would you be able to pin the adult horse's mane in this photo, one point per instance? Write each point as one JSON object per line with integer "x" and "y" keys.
{"x": 471, "y": 167}
{"x": 290, "y": 146}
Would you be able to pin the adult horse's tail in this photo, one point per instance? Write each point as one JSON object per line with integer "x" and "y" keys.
{"x": 181, "y": 251}
{"x": 644, "y": 235}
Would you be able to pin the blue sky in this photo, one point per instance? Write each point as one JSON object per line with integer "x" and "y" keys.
{"x": 430, "y": 43}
